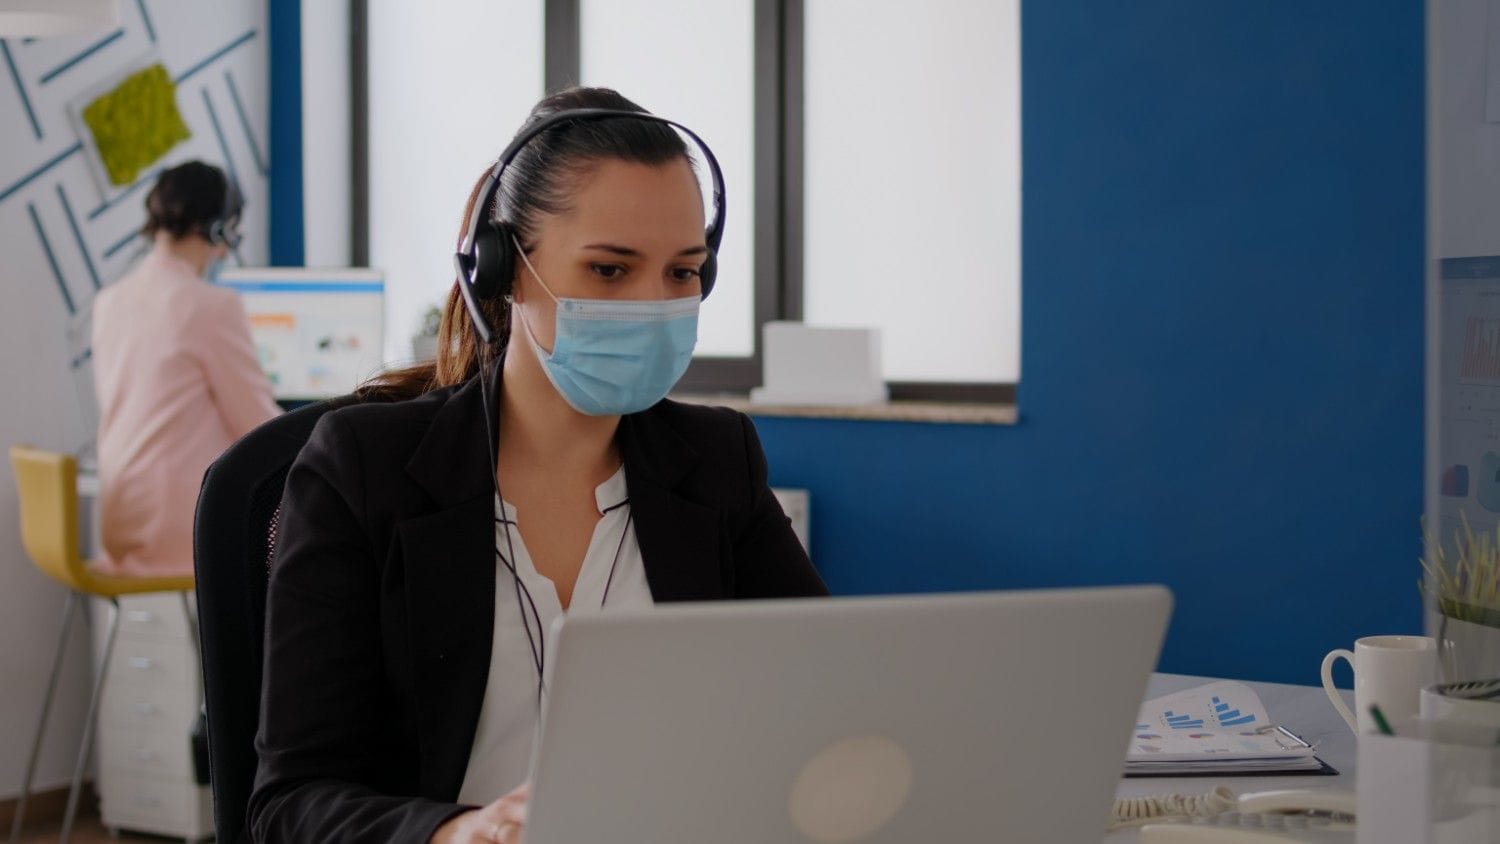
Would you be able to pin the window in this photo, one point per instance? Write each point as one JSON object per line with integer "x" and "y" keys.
{"x": 643, "y": 49}
{"x": 444, "y": 99}
{"x": 912, "y": 185}
{"x": 871, "y": 149}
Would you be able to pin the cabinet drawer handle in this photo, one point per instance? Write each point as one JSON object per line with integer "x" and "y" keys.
{"x": 142, "y": 663}
{"x": 145, "y": 708}
{"x": 140, "y": 616}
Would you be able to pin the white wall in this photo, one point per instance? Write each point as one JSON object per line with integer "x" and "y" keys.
{"x": 225, "y": 40}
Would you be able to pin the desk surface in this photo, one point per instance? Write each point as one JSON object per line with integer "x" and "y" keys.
{"x": 1302, "y": 709}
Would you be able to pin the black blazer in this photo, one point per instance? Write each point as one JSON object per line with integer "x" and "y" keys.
{"x": 381, "y": 604}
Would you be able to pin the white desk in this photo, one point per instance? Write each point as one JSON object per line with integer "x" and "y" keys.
{"x": 1303, "y": 709}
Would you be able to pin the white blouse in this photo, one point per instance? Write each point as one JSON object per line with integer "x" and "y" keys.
{"x": 501, "y": 756}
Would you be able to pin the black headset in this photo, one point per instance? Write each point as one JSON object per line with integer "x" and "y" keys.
{"x": 486, "y": 258}
{"x": 218, "y": 230}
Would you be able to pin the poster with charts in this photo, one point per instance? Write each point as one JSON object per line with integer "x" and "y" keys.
{"x": 1468, "y": 468}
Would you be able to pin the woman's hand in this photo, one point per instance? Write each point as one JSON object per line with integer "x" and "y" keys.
{"x": 501, "y": 822}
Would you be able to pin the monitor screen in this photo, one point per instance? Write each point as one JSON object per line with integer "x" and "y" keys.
{"x": 319, "y": 332}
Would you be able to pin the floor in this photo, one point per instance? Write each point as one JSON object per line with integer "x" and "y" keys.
{"x": 87, "y": 830}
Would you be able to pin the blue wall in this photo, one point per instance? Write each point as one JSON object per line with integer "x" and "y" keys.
{"x": 1222, "y": 353}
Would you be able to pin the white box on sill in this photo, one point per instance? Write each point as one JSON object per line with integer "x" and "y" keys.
{"x": 805, "y": 365}
{"x": 795, "y": 503}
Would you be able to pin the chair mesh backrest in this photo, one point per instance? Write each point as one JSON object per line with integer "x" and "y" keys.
{"x": 234, "y": 539}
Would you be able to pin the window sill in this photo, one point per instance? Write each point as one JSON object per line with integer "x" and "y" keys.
{"x": 936, "y": 412}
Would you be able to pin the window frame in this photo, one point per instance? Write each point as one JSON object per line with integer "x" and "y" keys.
{"x": 778, "y": 162}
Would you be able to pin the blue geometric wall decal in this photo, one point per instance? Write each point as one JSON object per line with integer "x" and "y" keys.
{"x": 88, "y": 260}
{"x": 15, "y": 75}
{"x": 41, "y": 236}
{"x": 148, "y": 179}
{"x": 213, "y": 117}
{"x": 146, "y": 20}
{"x": 121, "y": 244}
{"x": 239, "y": 109}
{"x": 92, "y": 49}
{"x": 214, "y": 56}
{"x": 37, "y": 173}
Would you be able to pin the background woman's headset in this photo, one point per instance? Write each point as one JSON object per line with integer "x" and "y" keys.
{"x": 221, "y": 230}
{"x": 486, "y": 257}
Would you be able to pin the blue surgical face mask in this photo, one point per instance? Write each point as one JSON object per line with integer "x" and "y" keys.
{"x": 611, "y": 357}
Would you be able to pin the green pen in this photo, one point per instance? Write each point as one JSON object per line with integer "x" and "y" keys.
{"x": 1380, "y": 722}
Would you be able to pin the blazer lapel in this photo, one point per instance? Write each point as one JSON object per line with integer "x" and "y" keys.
{"x": 450, "y": 563}
{"x": 682, "y": 542}
{"x": 450, "y": 587}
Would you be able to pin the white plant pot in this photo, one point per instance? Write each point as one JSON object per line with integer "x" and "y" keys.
{"x": 1468, "y": 651}
{"x": 423, "y": 349}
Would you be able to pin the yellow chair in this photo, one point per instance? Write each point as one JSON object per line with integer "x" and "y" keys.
{"x": 47, "y": 486}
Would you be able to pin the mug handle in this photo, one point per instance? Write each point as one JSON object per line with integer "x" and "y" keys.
{"x": 1333, "y": 693}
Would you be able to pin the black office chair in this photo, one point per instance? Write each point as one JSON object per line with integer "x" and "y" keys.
{"x": 234, "y": 535}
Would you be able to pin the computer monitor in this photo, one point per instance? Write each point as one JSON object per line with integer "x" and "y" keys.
{"x": 319, "y": 332}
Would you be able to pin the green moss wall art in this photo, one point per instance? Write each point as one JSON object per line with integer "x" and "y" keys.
{"x": 135, "y": 123}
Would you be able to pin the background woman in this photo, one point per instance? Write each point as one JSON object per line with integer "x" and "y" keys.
{"x": 175, "y": 373}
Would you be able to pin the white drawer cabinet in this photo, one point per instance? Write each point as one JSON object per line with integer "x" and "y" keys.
{"x": 143, "y": 747}
{"x": 152, "y": 751}
{"x": 153, "y": 665}
{"x": 153, "y": 618}
{"x": 159, "y": 805}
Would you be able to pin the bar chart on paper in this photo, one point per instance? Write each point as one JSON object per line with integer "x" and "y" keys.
{"x": 1221, "y": 727}
{"x": 1481, "y": 350}
{"x": 1217, "y": 706}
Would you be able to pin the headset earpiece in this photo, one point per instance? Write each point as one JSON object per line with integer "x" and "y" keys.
{"x": 709, "y": 272}
{"x": 494, "y": 261}
{"x": 217, "y": 231}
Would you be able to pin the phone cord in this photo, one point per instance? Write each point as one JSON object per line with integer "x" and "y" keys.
{"x": 1134, "y": 811}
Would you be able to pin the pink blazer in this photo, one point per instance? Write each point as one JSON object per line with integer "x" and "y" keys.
{"x": 178, "y": 382}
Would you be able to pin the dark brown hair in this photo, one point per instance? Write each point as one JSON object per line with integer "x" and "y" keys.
{"x": 538, "y": 181}
{"x": 189, "y": 198}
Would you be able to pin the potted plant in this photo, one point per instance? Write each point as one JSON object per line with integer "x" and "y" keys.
{"x": 1464, "y": 590}
{"x": 424, "y": 342}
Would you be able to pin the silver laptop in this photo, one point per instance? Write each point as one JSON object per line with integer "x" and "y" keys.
{"x": 956, "y": 718}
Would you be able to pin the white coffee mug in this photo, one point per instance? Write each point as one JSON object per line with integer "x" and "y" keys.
{"x": 1389, "y": 672}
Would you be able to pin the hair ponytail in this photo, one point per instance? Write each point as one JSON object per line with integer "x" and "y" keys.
{"x": 457, "y": 342}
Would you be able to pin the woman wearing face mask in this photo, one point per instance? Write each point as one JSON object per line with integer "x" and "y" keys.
{"x": 409, "y": 598}
{"x": 175, "y": 373}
